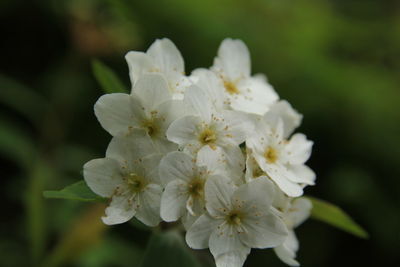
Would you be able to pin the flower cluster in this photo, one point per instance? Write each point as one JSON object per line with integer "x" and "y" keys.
{"x": 215, "y": 150}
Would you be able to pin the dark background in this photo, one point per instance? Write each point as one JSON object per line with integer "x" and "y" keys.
{"x": 336, "y": 61}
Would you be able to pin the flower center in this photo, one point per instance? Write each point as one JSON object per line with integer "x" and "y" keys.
{"x": 234, "y": 218}
{"x": 135, "y": 182}
{"x": 231, "y": 88}
{"x": 208, "y": 136}
{"x": 196, "y": 187}
{"x": 271, "y": 155}
{"x": 151, "y": 127}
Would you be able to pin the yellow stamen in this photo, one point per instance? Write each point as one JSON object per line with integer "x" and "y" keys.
{"x": 207, "y": 137}
{"x": 271, "y": 155}
{"x": 231, "y": 88}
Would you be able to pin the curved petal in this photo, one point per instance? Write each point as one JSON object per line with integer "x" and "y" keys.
{"x": 138, "y": 63}
{"x": 166, "y": 56}
{"x": 170, "y": 111}
{"x": 213, "y": 159}
{"x": 238, "y": 125}
{"x": 213, "y": 86}
{"x": 287, "y": 251}
{"x": 184, "y": 130}
{"x": 299, "y": 211}
{"x": 281, "y": 176}
{"x": 224, "y": 239}
{"x": 196, "y": 101}
{"x": 151, "y": 164}
{"x": 119, "y": 211}
{"x": 233, "y": 60}
{"x": 152, "y": 90}
{"x": 254, "y": 198}
{"x": 218, "y": 193}
{"x": 102, "y": 176}
{"x": 303, "y": 174}
{"x": 173, "y": 201}
{"x": 234, "y": 163}
{"x": 118, "y": 112}
{"x": 263, "y": 232}
{"x": 298, "y": 149}
{"x": 198, "y": 235}
{"x": 291, "y": 118}
{"x": 148, "y": 205}
{"x": 176, "y": 165}
{"x": 127, "y": 149}
{"x": 256, "y": 96}
{"x": 232, "y": 259}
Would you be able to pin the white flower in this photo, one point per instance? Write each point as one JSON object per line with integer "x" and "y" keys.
{"x": 281, "y": 159}
{"x": 291, "y": 118}
{"x": 184, "y": 177}
{"x": 221, "y": 131}
{"x": 238, "y": 219}
{"x": 161, "y": 57}
{"x": 213, "y": 88}
{"x": 129, "y": 176}
{"x": 149, "y": 107}
{"x": 242, "y": 91}
{"x": 294, "y": 212}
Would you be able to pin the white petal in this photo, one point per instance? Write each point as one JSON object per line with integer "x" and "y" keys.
{"x": 199, "y": 233}
{"x": 287, "y": 251}
{"x": 235, "y": 163}
{"x": 233, "y": 59}
{"x": 298, "y": 149}
{"x": 212, "y": 159}
{"x": 213, "y": 86}
{"x": 176, "y": 165}
{"x": 166, "y": 56}
{"x": 224, "y": 239}
{"x": 173, "y": 201}
{"x": 291, "y": 118}
{"x": 152, "y": 89}
{"x": 120, "y": 210}
{"x": 138, "y": 63}
{"x": 164, "y": 146}
{"x": 303, "y": 174}
{"x": 299, "y": 211}
{"x": 188, "y": 220}
{"x": 264, "y": 232}
{"x": 150, "y": 164}
{"x": 128, "y": 149}
{"x": 281, "y": 176}
{"x": 184, "y": 130}
{"x": 255, "y": 96}
{"x": 254, "y": 198}
{"x": 232, "y": 259}
{"x": 148, "y": 206}
{"x": 118, "y": 112}
{"x": 196, "y": 101}
{"x": 102, "y": 176}
{"x": 239, "y": 126}
{"x": 169, "y": 111}
{"x": 218, "y": 193}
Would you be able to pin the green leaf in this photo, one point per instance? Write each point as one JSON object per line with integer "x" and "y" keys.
{"x": 169, "y": 249}
{"x": 335, "y": 216}
{"x": 108, "y": 80}
{"x": 77, "y": 191}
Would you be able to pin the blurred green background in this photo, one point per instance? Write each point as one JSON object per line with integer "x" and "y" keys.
{"x": 336, "y": 61}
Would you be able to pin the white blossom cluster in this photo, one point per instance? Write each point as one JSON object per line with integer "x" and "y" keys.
{"x": 215, "y": 150}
